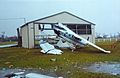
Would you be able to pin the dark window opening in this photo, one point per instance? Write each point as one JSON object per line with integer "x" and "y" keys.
{"x": 74, "y": 30}
{"x": 88, "y": 29}
{"x": 59, "y": 27}
{"x": 80, "y": 28}
{"x": 71, "y": 26}
{"x": 39, "y": 27}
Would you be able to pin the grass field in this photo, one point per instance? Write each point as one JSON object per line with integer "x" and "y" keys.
{"x": 4, "y": 43}
{"x": 67, "y": 65}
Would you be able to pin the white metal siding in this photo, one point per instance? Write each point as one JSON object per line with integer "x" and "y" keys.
{"x": 31, "y": 35}
{"x": 29, "y": 31}
{"x": 37, "y": 31}
{"x": 86, "y": 37}
{"x": 93, "y": 33}
{"x": 92, "y": 36}
{"x": 24, "y": 33}
{"x": 63, "y": 18}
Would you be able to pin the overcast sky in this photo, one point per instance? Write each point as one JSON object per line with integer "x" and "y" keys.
{"x": 104, "y": 13}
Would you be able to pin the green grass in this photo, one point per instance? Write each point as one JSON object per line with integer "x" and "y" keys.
{"x": 5, "y": 43}
{"x": 65, "y": 64}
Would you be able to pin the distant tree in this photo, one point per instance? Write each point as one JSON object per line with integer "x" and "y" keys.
{"x": 12, "y": 38}
{"x": 118, "y": 34}
{"x": 3, "y": 34}
{"x": 98, "y": 35}
{"x": 105, "y": 36}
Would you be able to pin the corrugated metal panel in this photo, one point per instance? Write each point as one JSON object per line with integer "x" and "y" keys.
{"x": 24, "y": 32}
{"x": 63, "y": 18}
{"x": 29, "y": 29}
{"x": 31, "y": 35}
{"x": 58, "y": 14}
{"x": 93, "y": 33}
{"x": 37, "y": 31}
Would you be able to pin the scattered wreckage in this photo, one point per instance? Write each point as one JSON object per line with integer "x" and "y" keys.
{"x": 71, "y": 38}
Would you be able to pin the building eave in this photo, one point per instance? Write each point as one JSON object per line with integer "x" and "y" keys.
{"x": 55, "y": 15}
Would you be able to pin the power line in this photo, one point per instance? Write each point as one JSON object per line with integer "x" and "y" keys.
{"x": 14, "y": 19}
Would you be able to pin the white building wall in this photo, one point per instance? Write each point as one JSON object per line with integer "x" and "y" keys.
{"x": 31, "y": 35}
{"x": 29, "y": 32}
{"x": 91, "y": 36}
{"x": 24, "y": 33}
{"x": 93, "y": 33}
{"x": 37, "y": 31}
{"x": 63, "y": 18}
{"x": 86, "y": 37}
